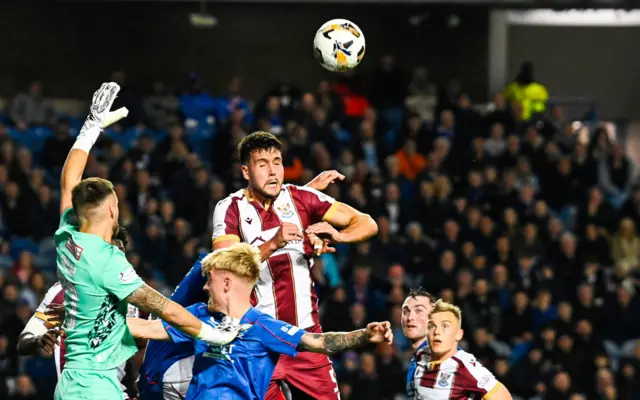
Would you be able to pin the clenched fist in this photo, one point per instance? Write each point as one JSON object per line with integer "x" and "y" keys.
{"x": 287, "y": 232}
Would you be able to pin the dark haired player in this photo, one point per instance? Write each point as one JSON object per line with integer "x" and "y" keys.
{"x": 275, "y": 217}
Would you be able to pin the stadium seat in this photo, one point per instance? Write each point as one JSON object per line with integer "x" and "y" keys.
{"x": 18, "y": 245}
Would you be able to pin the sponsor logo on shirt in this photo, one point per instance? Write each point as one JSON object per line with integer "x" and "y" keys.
{"x": 74, "y": 248}
{"x": 128, "y": 276}
{"x": 220, "y": 352}
{"x": 290, "y": 330}
{"x": 484, "y": 381}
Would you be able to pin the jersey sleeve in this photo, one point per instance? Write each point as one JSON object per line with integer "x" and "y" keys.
{"x": 53, "y": 292}
{"x": 279, "y": 337}
{"x": 225, "y": 221}
{"x": 177, "y": 336}
{"x": 120, "y": 278}
{"x": 318, "y": 205}
{"x": 479, "y": 379}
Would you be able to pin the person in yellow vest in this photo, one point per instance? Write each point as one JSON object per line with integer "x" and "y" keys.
{"x": 528, "y": 96}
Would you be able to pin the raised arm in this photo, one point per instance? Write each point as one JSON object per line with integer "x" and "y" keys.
{"x": 334, "y": 342}
{"x": 99, "y": 118}
{"x": 149, "y": 330}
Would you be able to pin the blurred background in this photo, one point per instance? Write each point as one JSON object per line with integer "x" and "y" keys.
{"x": 494, "y": 142}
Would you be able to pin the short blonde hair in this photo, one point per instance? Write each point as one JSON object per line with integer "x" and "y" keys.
{"x": 441, "y": 306}
{"x": 240, "y": 259}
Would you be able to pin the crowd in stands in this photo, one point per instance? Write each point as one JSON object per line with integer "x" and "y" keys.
{"x": 531, "y": 227}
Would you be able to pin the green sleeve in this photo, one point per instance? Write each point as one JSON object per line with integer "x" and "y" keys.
{"x": 120, "y": 278}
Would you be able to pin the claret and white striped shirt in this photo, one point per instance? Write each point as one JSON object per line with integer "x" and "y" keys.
{"x": 285, "y": 287}
{"x": 459, "y": 377}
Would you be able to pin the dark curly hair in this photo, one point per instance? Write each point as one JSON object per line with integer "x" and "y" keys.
{"x": 421, "y": 292}
{"x": 257, "y": 141}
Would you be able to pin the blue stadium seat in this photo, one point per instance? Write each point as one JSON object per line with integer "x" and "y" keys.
{"x": 28, "y": 139}
{"x": 18, "y": 245}
{"x": 200, "y": 138}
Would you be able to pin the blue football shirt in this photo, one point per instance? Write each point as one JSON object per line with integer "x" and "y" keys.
{"x": 160, "y": 356}
{"x": 243, "y": 368}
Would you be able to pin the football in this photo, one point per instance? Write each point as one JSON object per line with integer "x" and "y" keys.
{"x": 339, "y": 45}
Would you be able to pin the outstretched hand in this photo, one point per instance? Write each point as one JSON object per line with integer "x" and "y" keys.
{"x": 324, "y": 179}
{"x": 379, "y": 332}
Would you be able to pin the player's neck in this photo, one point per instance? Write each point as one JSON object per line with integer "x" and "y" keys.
{"x": 416, "y": 345}
{"x": 444, "y": 356}
{"x": 236, "y": 309}
{"x": 265, "y": 202}
{"x": 105, "y": 231}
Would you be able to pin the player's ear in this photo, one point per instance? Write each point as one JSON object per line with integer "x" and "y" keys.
{"x": 227, "y": 283}
{"x": 245, "y": 171}
{"x": 459, "y": 334}
{"x": 112, "y": 210}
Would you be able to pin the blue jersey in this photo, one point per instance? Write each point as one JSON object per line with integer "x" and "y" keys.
{"x": 160, "y": 356}
{"x": 411, "y": 371}
{"x": 243, "y": 368}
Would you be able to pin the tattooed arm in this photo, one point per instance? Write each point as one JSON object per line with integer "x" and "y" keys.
{"x": 334, "y": 342}
{"x": 149, "y": 300}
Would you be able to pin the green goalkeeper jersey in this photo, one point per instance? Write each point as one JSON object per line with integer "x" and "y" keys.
{"x": 96, "y": 278}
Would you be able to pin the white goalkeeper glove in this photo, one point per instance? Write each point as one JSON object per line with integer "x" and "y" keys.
{"x": 100, "y": 116}
{"x": 222, "y": 334}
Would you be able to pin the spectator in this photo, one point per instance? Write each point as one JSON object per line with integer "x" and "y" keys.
{"x": 161, "y": 107}
{"x": 32, "y": 108}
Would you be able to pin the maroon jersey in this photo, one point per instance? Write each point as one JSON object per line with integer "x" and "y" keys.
{"x": 460, "y": 377}
{"x": 285, "y": 287}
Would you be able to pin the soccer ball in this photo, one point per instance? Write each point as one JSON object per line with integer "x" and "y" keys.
{"x": 339, "y": 45}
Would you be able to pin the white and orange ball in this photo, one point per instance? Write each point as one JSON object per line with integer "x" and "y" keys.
{"x": 339, "y": 45}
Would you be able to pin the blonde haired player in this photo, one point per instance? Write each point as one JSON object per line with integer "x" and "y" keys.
{"x": 242, "y": 369}
{"x": 446, "y": 372}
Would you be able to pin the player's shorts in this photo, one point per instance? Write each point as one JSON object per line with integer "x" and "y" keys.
{"x": 311, "y": 373}
{"x": 165, "y": 391}
{"x": 82, "y": 384}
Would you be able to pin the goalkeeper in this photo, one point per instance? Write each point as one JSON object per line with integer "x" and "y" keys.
{"x": 97, "y": 279}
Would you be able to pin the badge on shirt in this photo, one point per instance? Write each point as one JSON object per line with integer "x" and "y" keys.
{"x": 128, "y": 276}
{"x": 285, "y": 210}
{"x": 444, "y": 379}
